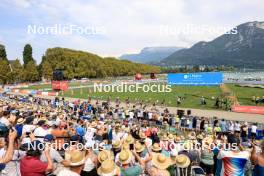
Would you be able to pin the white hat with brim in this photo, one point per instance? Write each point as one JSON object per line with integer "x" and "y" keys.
{"x": 182, "y": 161}
{"x": 160, "y": 161}
{"x": 125, "y": 157}
{"x": 108, "y": 168}
{"x": 76, "y": 158}
{"x": 156, "y": 147}
{"x": 104, "y": 155}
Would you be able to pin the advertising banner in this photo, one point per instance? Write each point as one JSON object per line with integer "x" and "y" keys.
{"x": 196, "y": 79}
{"x": 248, "y": 109}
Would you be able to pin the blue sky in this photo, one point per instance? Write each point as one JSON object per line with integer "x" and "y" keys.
{"x": 129, "y": 25}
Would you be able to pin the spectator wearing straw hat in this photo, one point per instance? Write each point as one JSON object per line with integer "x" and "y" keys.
{"x": 91, "y": 163}
{"x": 19, "y": 126}
{"x": 160, "y": 163}
{"x": 182, "y": 161}
{"x": 145, "y": 154}
{"x": 77, "y": 160}
{"x": 108, "y": 168}
{"x": 125, "y": 158}
{"x": 207, "y": 156}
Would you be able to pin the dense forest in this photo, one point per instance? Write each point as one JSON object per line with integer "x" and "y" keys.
{"x": 75, "y": 64}
{"x": 79, "y": 64}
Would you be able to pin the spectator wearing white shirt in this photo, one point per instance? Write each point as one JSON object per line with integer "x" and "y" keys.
{"x": 254, "y": 128}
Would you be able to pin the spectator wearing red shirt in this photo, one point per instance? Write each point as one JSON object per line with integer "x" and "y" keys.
{"x": 31, "y": 165}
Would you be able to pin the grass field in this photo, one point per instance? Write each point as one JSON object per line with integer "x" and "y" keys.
{"x": 244, "y": 94}
{"x": 191, "y": 96}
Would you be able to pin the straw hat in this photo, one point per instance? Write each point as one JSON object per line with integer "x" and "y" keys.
{"x": 187, "y": 145}
{"x": 200, "y": 136}
{"x": 182, "y": 137}
{"x": 76, "y": 158}
{"x": 139, "y": 147}
{"x": 108, "y": 168}
{"x": 142, "y": 135}
{"x": 125, "y": 157}
{"x": 161, "y": 161}
{"x": 171, "y": 137}
{"x": 116, "y": 144}
{"x": 182, "y": 161}
{"x": 104, "y": 155}
{"x": 126, "y": 146}
{"x": 207, "y": 141}
{"x": 20, "y": 121}
{"x": 192, "y": 136}
{"x": 178, "y": 139}
{"x": 164, "y": 137}
{"x": 129, "y": 140}
{"x": 156, "y": 147}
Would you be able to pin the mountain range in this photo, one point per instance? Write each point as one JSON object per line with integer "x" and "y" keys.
{"x": 243, "y": 48}
{"x": 150, "y": 54}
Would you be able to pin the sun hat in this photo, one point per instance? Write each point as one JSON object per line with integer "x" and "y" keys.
{"x": 125, "y": 157}
{"x": 192, "y": 135}
{"x": 142, "y": 135}
{"x": 108, "y": 168}
{"x": 104, "y": 155}
{"x": 178, "y": 139}
{"x": 164, "y": 137}
{"x": 200, "y": 136}
{"x": 126, "y": 146}
{"x": 182, "y": 137}
{"x": 160, "y": 161}
{"x": 156, "y": 147}
{"x": 207, "y": 141}
{"x": 182, "y": 161}
{"x": 129, "y": 140}
{"x": 76, "y": 158}
{"x": 116, "y": 144}
{"x": 139, "y": 147}
{"x": 171, "y": 137}
{"x": 20, "y": 120}
{"x": 187, "y": 145}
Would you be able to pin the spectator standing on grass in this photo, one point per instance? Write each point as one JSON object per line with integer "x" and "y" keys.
{"x": 244, "y": 132}
{"x": 237, "y": 127}
{"x": 231, "y": 126}
{"x": 254, "y": 128}
{"x": 223, "y": 126}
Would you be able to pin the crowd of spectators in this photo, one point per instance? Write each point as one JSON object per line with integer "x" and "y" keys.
{"x": 52, "y": 137}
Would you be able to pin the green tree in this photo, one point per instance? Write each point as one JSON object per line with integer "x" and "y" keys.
{"x": 2, "y": 52}
{"x": 31, "y": 72}
{"x": 27, "y": 54}
{"x": 16, "y": 71}
{"x": 4, "y": 72}
{"x": 46, "y": 70}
